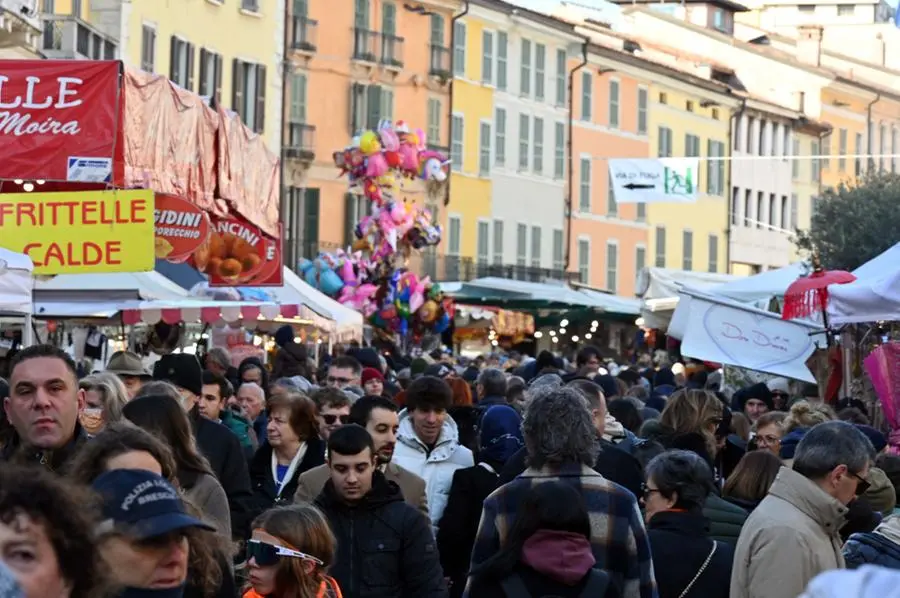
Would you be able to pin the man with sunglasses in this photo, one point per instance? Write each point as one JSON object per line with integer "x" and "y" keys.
{"x": 332, "y": 410}
{"x": 385, "y": 547}
{"x": 793, "y": 535}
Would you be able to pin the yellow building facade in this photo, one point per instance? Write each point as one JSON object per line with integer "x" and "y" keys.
{"x": 473, "y": 104}
{"x": 691, "y": 118}
{"x": 845, "y": 107}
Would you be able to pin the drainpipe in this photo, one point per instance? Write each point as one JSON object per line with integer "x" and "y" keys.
{"x": 735, "y": 118}
{"x": 450, "y": 90}
{"x": 285, "y": 73}
{"x": 570, "y": 160}
{"x": 869, "y": 128}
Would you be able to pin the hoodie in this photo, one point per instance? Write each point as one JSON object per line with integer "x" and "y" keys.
{"x": 436, "y": 464}
{"x": 879, "y": 547}
{"x": 564, "y": 557}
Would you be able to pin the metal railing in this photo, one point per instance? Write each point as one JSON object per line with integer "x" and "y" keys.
{"x": 301, "y": 141}
{"x": 439, "y": 62}
{"x": 305, "y": 34}
{"x": 364, "y": 45}
{"x": 392, "y": 50}
{"x": 68, "y": 37}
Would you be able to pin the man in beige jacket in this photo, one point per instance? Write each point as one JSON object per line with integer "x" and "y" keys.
{"x": 379, "y": 416}
{"x": 792, "y": 535}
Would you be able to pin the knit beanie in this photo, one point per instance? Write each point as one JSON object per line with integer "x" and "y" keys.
{"x": 284, "y": 335}
{"x": 417, "y": 367}
{"x": 370, "y": 374}
{"x": 881, "y": 494}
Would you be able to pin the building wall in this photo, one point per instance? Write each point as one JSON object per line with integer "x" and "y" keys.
{"x": 707, "y": 219}
{"x": 806, "y": 186}
{"x": 604, "y": 223}
{"x": 845, "y": 113}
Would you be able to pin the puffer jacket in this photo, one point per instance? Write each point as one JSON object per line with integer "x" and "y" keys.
{"x": 725, "y": 519}
{"x": 880, "y": 547}
{"x": 435, "y": 467}
{"x": 385, "y": 548}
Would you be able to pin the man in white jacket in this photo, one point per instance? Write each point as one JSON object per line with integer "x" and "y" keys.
{"x": 428, "y": 441}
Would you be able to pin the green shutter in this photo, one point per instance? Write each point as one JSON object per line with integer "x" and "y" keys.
{"x": 311, "y": 219}
{"x": 301, "y": 8}
{"x": 349, "y": 218}
{"x": 388, "y": 19}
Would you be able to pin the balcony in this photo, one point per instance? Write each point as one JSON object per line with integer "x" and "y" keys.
{"x": 364, "y": 45}
{"x": 20, "y": 27}
{"x": 305, "y": 35}
{"x": 441, "y": 149}
{"x": 392, "y": 51}
{"x": 439, "y": 63}
{"x": 301, "y": 142}
{"x": 67, "y": 37}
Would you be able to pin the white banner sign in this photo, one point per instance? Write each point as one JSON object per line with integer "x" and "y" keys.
{"x": 655, "y": 180}
{"x": 745, "y": 337}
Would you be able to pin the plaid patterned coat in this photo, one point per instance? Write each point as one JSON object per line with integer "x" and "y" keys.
{"x": 618, "y": 537}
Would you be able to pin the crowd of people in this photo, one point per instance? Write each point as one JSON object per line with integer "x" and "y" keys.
{"x": 374, "y": 476}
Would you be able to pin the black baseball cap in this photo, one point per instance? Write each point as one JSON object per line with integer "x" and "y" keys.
{"x": 439, "y": 370}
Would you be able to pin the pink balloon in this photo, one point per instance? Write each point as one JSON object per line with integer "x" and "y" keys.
{"x": 377, "y": 166}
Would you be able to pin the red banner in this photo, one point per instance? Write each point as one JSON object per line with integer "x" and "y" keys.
{"x": 58, "y": 119}
{"x": 181, "y": 228}
{"x": 239, "y": 254}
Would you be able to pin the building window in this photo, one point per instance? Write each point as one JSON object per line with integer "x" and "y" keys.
{"x": 842, "y": 150}
{"x": 858, "y": 150}
{"x": 763, "y": 146}
{"x": 715, "y": 167}
{"x": 525, "y": 68}
{"x": 612, "y": 208}
{"x": 211, "y": 80}
{"x": 663, "y": 98}
{"x": 846, "y": 10}
{"x": 521, "y": 244}
{"x": 498, "y": 241}
{"x": 250, "y": 5}
{"x": 484, "y": 150}
{"x": 826, "y": 152}
{"x": 749, "y": 136}
{"x": 538, "y": 146}
{"x": 688, "y": 106}
{"x": 459, "y": 49}
{"x": 524, "y": 126}
{"x": 660, "y": 247}
{"x": 456, "y": 143}
{"x": 249, "y": 97}
{"x": 687, "y": 251}
{"x": 882, "y": 145}
{"x": 558, "y": 250}
{"x": 748, "y": 207}
{"x": 612, "y": 267}
{"x": 795, "y": 163}
{"x": 561, "y": 73}
{"x": 500, "y": 139}
{"x": 808, "y": 8}
{"x": 148, "y": 49}
{"x": 584, "y": 188}
{"x": 181, "y": 66}
{"x": 614, "y": 104}
{"x": 298, "y": 89}
{"x": 584, "y": 261}
{"x": 785, "y": 213}
{"x": 641, "y": 212}
{"x": 643, "y": 96}
{"x": 454, "y": 235}
{"x": 487, "y": 57}
{"x": 587, "y": 84}
{"x": 773, "y": 212}
{"x": 713, "y": 253}
{"x": 483, "y": 241}
{"x": 434, "y": 121}
{"x": 760, "y": 207}
{"x": 735, "y": 206}
{"x": 535, "y": 246}
{"x": 691, "y": 146}
{"x": 664, "y": 142}
{"x": 794, "y": 208}
{"x": 559, "y": 150}
{"x": 640, "y": 259}
{"x": 815, "y": 165}
{"x": 502, "y": 49}
{"x": 301, "y": 223}
{"x": 540, "y": 71}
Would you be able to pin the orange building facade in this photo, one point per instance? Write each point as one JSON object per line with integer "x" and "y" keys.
{"x": 353, "y": 64}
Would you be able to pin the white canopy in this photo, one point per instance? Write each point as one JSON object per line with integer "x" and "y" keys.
{"x": 762, "y": 286}
{"x": 16, "y": 283}
{"x": 349, "y": 322}
{"x": 101, "y": 295}
{"x": 873, "y": 296}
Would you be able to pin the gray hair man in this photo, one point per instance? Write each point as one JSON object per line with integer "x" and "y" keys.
{"x": 561, "y": 441}
{"x": 792, "y": 535}
{"x": 491, "y": 388}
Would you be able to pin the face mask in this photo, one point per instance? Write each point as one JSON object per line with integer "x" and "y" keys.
{"x": 91, "y": 420}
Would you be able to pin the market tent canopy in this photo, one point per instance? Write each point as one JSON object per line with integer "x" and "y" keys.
{"x": 348, "y": 322}
{"x": 659, "y": 290}
{"x": 874, "y": 295}
{"x": 101, "y": 287}
{"x": 762, "y": 286}
{"x": 523, "y": 295}
{"x": 16, "y": 283}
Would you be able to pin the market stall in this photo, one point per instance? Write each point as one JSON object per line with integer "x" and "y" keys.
{"x": 873, "y": 297}
{"x": 16, "y": 283}
{"x": 659, "y": 290}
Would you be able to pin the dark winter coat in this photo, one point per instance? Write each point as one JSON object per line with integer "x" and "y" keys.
{"x": 871, "y": 549}
{"x": 680, "y": 544}
{"x": 725, "y": 519}
{"x": 385, "y": 547}
{"x": 57, "y": 461}
{"x": 265, "y": 493}
{"x": 290, "y": 361}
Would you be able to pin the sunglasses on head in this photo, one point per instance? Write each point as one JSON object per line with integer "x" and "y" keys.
{"x": 266, "y": 554}
{"x": 330, "y": 418}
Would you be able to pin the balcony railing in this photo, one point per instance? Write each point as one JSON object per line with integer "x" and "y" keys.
{"x": 68, "y": 37}
{"x": 441, "y": 149}
{"x": 364, "y": 45}
{"x": 392, "y": 51}
{"x": 439, "y": 63}
{"x": 301, "y": 141}
{"x": 305, "y": 35}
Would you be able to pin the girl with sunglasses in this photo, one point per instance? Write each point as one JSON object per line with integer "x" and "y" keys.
{"x": 289, "y": 553}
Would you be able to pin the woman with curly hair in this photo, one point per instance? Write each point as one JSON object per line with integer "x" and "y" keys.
{"x": 104, "y": 397}
{"x": 46, "y": 535}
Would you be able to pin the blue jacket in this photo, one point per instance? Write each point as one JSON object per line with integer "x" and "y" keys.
{"x": 871, "y": 548}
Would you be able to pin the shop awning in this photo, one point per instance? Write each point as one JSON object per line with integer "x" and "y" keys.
{"x": 16, "y": 283}
{"x": 522, "y": 295}
{"x": 103, "y": 288}
{"x": 874, "y": 295}
{"x": 348, "y": 322}
{"x": 763, "y": 286}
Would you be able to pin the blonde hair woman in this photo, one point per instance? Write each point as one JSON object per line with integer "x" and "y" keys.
{"x": 804, "y": 414}
{"x": 694, "y": 412}
{"x": 104, "y": 397}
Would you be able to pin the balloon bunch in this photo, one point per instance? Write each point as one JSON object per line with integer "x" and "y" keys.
{"x": 370, "y": 276}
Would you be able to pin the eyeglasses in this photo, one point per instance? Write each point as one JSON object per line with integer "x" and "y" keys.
{"x": 646, "y": 490}
{"x": 862, "y": 484}
{"x": 266, "y": 554}
{"x": 336, "y": 380}
{"x": 767, "y": 441}
{"x": 330, "y": 418}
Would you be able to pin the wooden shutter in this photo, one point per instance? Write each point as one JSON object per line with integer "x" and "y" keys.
{"x": 311, "y": 220}
{"x": 373, "y": 106}
{"x": 173, "y": 58}
{"x": 349, "y": 218}
{"x": 260, "y": 124}
{"x": 203, "y": 73}
{"x": 189, "y": 48}
{"x": 357, "y": 107}
{"x": 237, "y": 82}
{"x": 218, "y": 79}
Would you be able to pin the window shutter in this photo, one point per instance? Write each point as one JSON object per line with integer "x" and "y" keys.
{"x": 260, "y": 124}
{"x": 373, "y": 106}
{"x": 311, "y": 220}
{"x": 189, "y": 48}
{"x": 218, "y": 79}
{"x": 357, "y": 107}
{"x": 203, "y": 74}
{"x": 349, "y": 218}
{"x": 173, "y": 58}
{"x": 237, "y": 81}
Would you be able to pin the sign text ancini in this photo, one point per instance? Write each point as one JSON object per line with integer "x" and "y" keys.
{"x": 81, "y": 232}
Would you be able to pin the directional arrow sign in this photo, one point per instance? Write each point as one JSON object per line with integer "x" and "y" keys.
{"x": 662, "y": 180}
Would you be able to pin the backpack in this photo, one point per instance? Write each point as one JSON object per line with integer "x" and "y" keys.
{"x": 596, "y": 586}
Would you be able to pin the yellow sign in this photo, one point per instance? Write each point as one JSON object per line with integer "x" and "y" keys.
{"x": 80, "y": 232}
